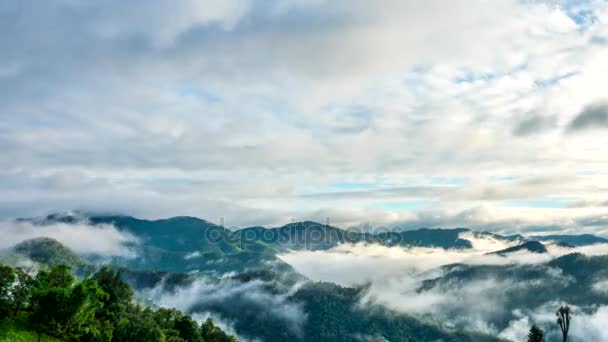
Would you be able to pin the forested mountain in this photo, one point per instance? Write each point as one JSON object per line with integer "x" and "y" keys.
{"x": 240, "y": 277}
{"x": 187, "y": 234}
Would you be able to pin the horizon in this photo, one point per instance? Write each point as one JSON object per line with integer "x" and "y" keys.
{"x": 85, "y": 216}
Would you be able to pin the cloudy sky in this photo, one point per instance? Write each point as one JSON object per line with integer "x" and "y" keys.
{"x": 489, "y": 114}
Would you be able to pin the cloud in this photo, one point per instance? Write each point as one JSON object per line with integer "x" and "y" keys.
{"x": 592, "y": 116}
{"x": 601, "y": 286}
{"x": 99, "y": 240}
{"x": 591, "y": 326}
{"x": 588, "y": 324}
{"x": 192, "y": 255}
{"x": 415, "y": 281}
{"x": 243, "y": 109}
{"x": 534, "y": 124}
{"x": 229, "y": 298}
{"x": 359, "y": 264}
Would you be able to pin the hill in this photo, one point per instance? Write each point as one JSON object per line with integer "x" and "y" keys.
{"x": 529, "y": 246}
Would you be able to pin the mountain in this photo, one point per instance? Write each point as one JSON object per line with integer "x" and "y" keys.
{"x": 47, "y": 251}
{"x": 427, "y": 237}
{"x": 267, "y": 306}
{"x": 186, "y": 234}
{"x": 183, "y": 244}
{"x": 239, "y": 276}
{"x": 253, "y": 301}
{"x": 183, "y": 234}
{"x": 309, "y": 235}
{"x": 570, "y": 278}
{"x": 574, "y": 240}
{"x": 529, "y": 246}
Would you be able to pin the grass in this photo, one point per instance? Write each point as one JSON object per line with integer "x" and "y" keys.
{"x": 11, "y": 331}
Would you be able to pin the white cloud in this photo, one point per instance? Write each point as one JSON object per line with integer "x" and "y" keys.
{"x": 202, "y": 294}
{"x": 192, "y": 255}
{"x": 395, "y": 277}
{"x": 591, "y": 327}
{"x": 601, "y": 286}
{"x": 236, "y": 108}
{"x": 588, "y": 324}
{"x": 84, "y": 239}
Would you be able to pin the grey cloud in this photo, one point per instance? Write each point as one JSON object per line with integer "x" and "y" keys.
{"x": 584, "y": 203}
{"x": 296, "y": 93}
{"x": 392, "y": 192}
{"x": 534, "y": 124}
{"x": 599, "y": 221}
{"x": 592, "y": 116}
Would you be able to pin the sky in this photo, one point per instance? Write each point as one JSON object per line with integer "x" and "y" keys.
{"x": 485, "y": 114}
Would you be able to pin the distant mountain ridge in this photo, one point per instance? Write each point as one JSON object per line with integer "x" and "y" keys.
{"x": 187, "y": 234}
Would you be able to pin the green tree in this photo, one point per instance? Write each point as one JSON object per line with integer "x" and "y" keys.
{"x": 86, "y": 299}
{"x": 119, "y": 296}
{"x": 564, "y": 316}
{"x": 63, "y": 309}
{"x": 188, "y": 329}
{"x": 212, "y": 333}
{"x": 21, "y": 291}
{"x": 7, "y": 279}
{"x": 96, "y": 309}
{"x": 112, "y": 283}
{"x": 138, "y": 325}
{"x": 177, "y": 326}
{"x": 536, "y": 334}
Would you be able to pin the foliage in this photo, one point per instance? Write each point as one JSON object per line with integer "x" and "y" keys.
{"x": 7, "y": 278}
{"x": 18, "y": 331}
{"x": 48, "y": 251}
{"x": 211, "y": 333}
{"x": 98, "y": 308}
{"x": 536, "y": 334}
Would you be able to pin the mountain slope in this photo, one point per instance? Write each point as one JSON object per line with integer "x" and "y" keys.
{"x": 574, "y": 240}
{"x": 309, "y": 235}
{"x": 529, "y": 246}
{"x": 47, "y": 251}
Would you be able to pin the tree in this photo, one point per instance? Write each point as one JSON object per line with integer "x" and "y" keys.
{"x": 119, "y": 296}
{"x": 95, "y": 309}
{"x": 21, "y": 291}
{"x": 137, "y": 325}
{"x": 187, "y": 329}
{"x": 177, "y": 326}
{"x": 86, "y": 299}
{"x": 7, "y": 279}
{"x": 564, "y": 315}
{"x": 212, "y": 333}
{"x": 111, "y": 282}
{"x": 536, "y": 334}
{"x": 63, "y": 309}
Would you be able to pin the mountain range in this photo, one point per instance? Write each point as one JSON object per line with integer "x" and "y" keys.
{"x": 239, "y": 276}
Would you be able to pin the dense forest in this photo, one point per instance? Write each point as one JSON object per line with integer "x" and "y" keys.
{"x": 55, "y": 305}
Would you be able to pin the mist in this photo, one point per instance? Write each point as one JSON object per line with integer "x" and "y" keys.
{"x": 229, "y": 299}
{"x": 84, "y": 239}
{"x": 420, "y": 282}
